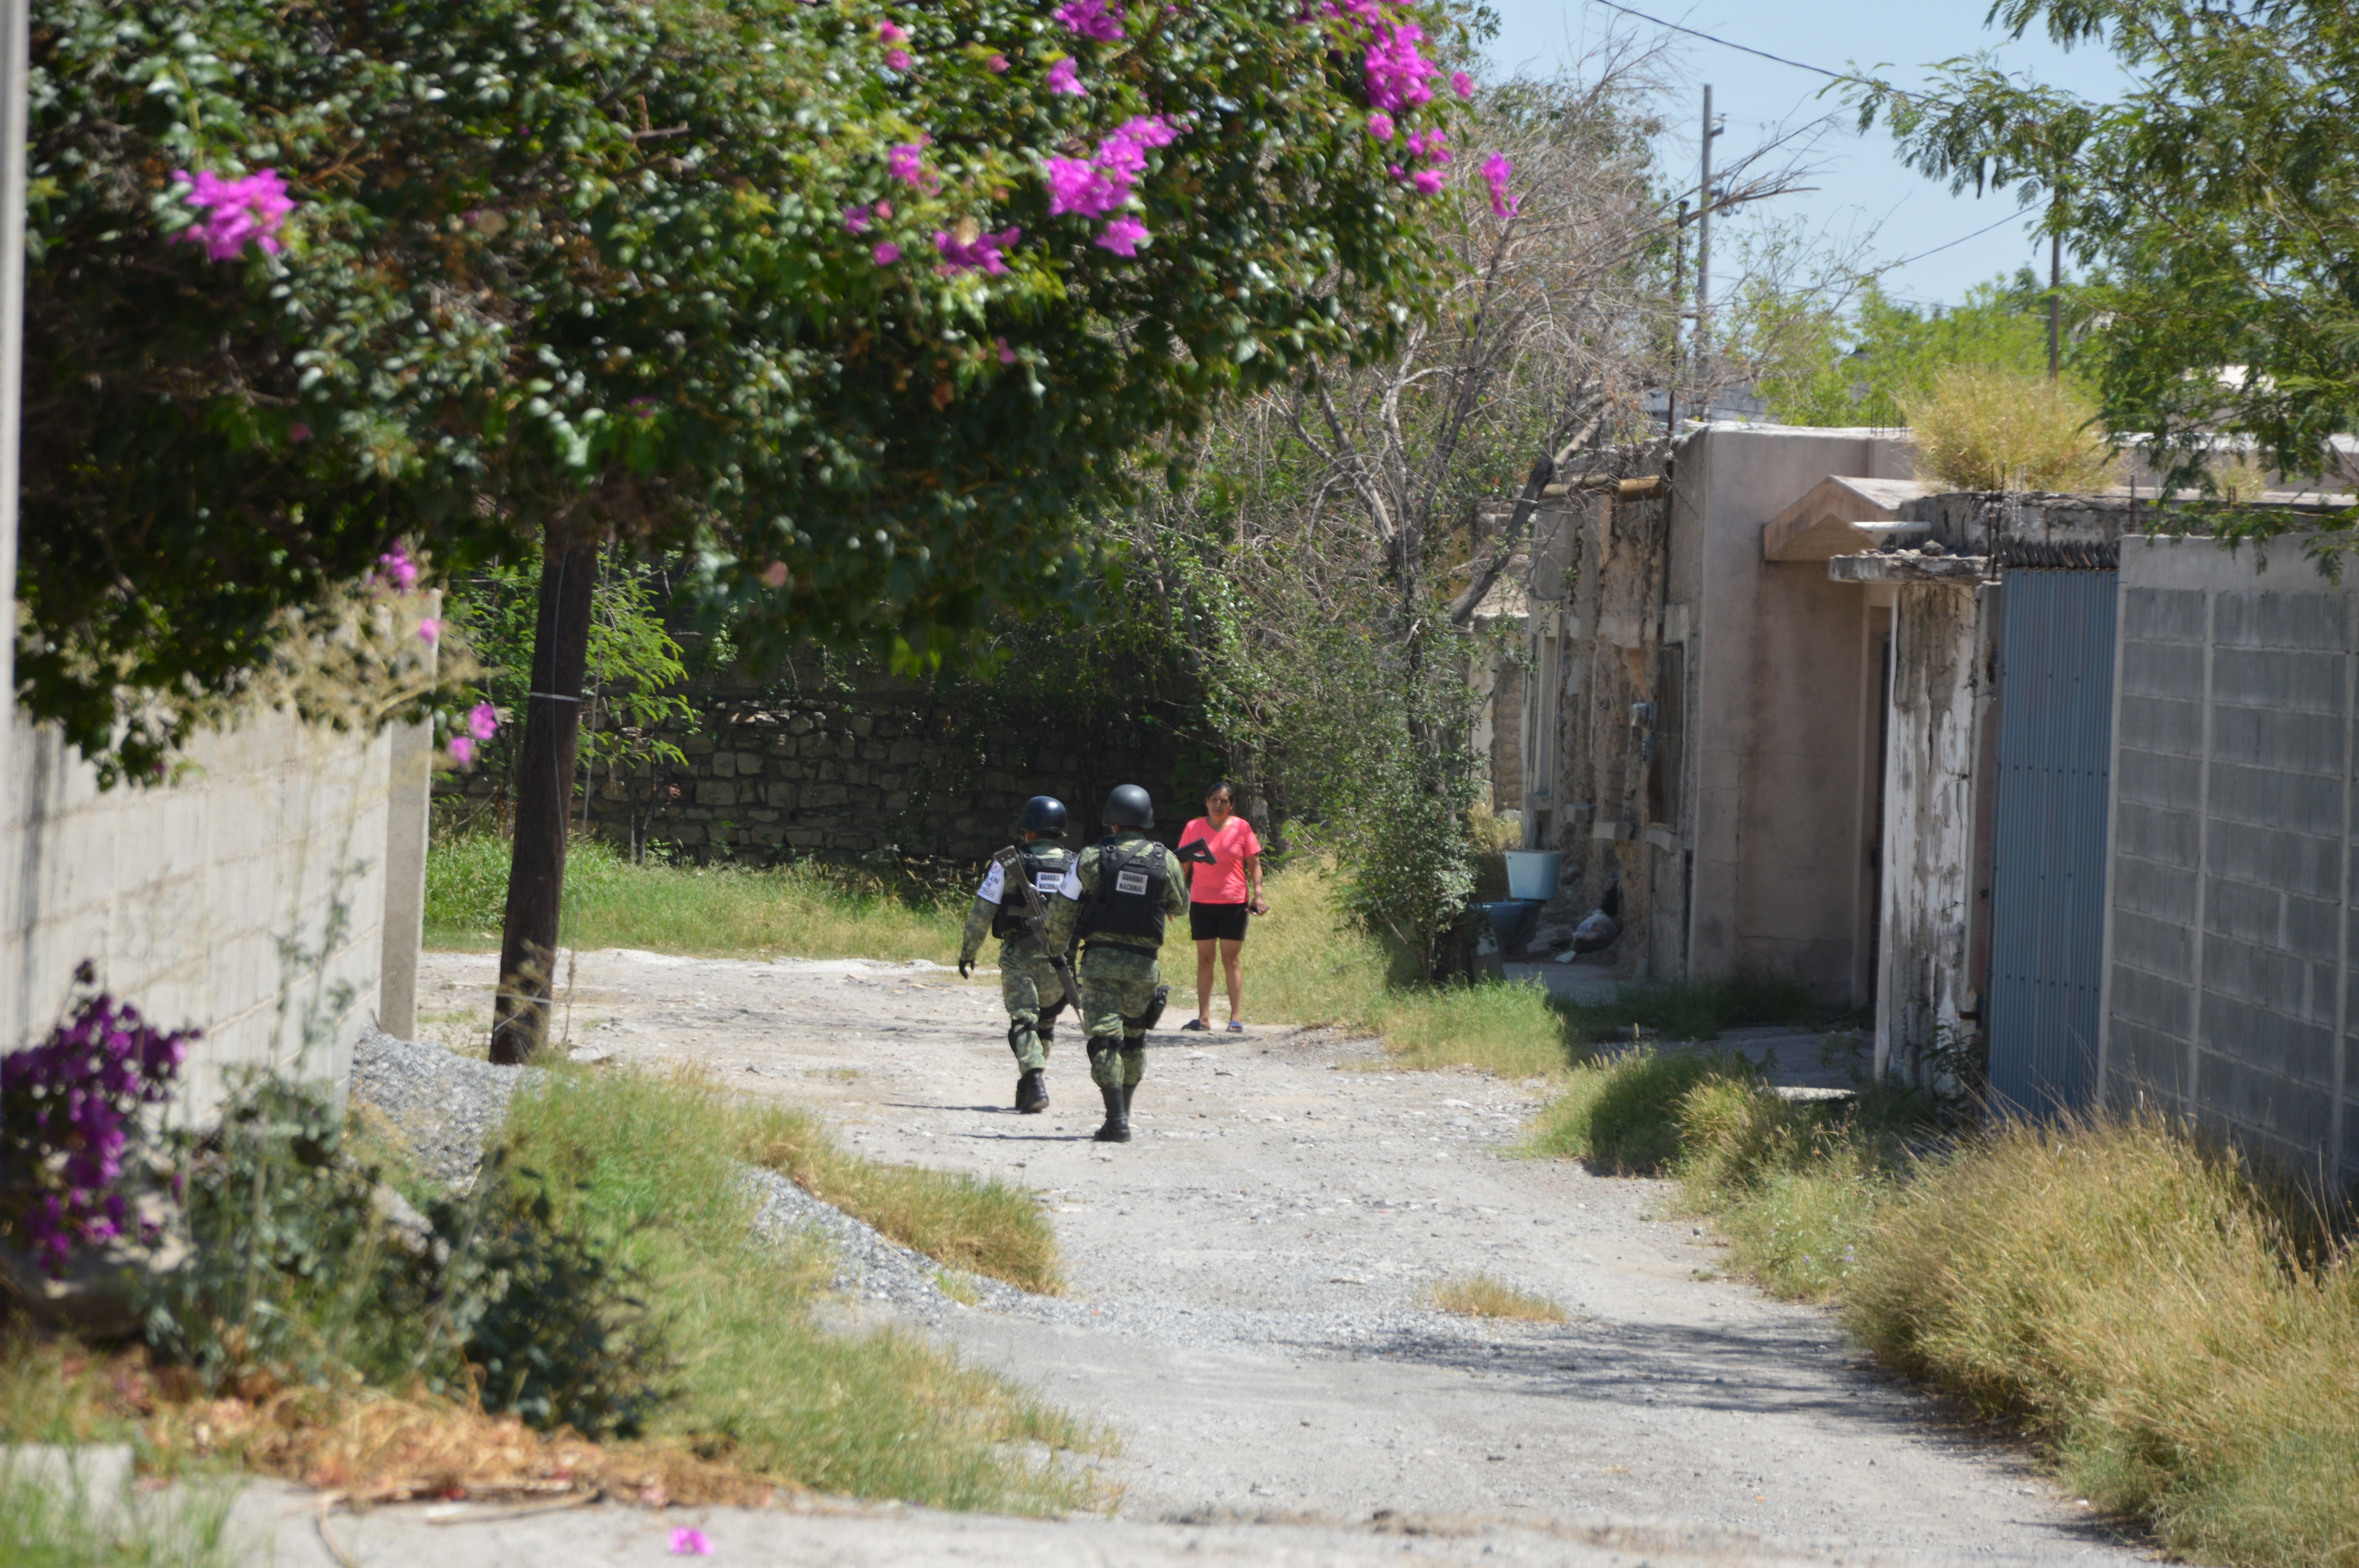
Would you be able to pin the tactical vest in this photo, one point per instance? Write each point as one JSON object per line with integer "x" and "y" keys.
{"x": 1045, "y": 865}
{"x": 1129, "y": 901}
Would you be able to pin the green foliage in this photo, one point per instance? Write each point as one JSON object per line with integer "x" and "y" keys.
{"x": 294, "y": 1273}
{"x": 631, "y": 678}
{"x": 562, "y": 266}
{"x": 2218, "y": 199}
{"x": 1866, "y": 361}
{"x": 1409, "y": 849}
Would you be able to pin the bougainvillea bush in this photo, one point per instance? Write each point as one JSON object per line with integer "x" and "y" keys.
{"x": 869, "y": 305}
{"x": 69, "y": 1121}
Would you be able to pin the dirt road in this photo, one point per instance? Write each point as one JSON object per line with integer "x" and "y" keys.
{"x": 1246, "y": 1308}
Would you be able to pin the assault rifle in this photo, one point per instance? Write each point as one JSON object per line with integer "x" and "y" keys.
{"x": 1036, "y": 921}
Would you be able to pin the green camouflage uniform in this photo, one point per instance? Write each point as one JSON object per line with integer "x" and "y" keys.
{"x": 1027, "y": 985}
{"x": 1118, "y": 974}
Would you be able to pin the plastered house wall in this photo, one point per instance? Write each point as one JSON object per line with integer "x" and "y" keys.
{"x": 248, "y": 898}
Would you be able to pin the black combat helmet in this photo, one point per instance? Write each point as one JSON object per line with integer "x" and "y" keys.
{"x": 1045, "y": 814}
{"x": 1128, "y": 806}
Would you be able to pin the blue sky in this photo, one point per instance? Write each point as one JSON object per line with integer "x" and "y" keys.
{"x": 1862, "y": 186}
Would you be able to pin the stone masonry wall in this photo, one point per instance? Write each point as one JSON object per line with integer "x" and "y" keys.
{"x": 887, "y": 770}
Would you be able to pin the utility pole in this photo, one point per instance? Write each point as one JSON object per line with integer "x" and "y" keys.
{"x": 1678, "y": 285}
{"x": 2055, "y": 299}
{"x": 1704, "y": 249}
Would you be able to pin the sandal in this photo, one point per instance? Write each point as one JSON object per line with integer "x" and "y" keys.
{"x": 1235, "y": 1027}
{"x": 1195, "y": 1026}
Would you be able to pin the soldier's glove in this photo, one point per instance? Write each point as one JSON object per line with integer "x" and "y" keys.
{"x": 966, "y": 965}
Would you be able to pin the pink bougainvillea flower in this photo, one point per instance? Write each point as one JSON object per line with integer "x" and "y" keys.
{"x": 1431, "y": 146}
{"x": 774, "y": 575}
{"x": 299, "y": 432}
{"x": 892, "y": 33}
{"x": 1122, "y": 236}
{"x": 1462, "y": 84}
{"x": 398, "y": 569}
{"x": 899, "y": 59}
{"x": 687, "y": 1542}
{"x": 855, "y": 219}
{"x": 1065, "y": 77}
{"x": 1426, "y": 181}
{"x": 887, "y": 253}
{"x": 1380, "y": 125}
{"x": 1103, "y": 182}
{"x": 978, "y": 254}
{"x": 236, "y": 212}
{"x": 1497, "y": 170}
{"x": 1092, "y": 19}
{"x": 998, "y": 64}
{"x": 1006, "y": 354}
{"x": 1396, "y": 70}
{"x": 483, "y": 722}
{"x": 1396, "y": 171}
{"x": 463, "y": 749}
{"x": 429, "y": 628}
{"x": 906, "y": 163}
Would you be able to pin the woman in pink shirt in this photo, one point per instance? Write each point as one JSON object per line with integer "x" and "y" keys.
{"x": 1219, "y": 898}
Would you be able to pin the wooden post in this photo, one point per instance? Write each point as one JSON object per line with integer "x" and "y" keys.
{"x": 544, "y": 795}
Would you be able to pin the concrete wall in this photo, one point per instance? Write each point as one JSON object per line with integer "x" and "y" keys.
{"x": 188, "y": 897}
{"x": 2229, "y": 932}
{"x": 1784, "y": 678}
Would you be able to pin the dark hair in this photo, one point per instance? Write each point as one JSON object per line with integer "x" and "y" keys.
{"x": 1222, "y": 786}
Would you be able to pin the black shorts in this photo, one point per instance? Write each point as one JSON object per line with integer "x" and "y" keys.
{"x": 1225, "y": 921}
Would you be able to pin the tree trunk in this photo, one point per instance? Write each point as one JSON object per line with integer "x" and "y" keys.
{"x": 544, "y": 795}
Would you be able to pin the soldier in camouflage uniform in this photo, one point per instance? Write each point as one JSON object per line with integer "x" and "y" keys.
{"x": 1028, "y": 981}
{"x": 1119, "y": 894}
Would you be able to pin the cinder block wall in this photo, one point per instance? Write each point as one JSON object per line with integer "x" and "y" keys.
{"x": 204, "y": 901}
{"x": 2229, "y": 931}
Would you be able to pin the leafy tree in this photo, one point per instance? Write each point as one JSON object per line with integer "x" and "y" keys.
{"x": 865, "y": 307}
{"x": 2219, "y": 199}
{"x": 1863, "y": 362}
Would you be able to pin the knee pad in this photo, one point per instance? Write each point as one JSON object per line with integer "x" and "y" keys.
{"x": 1049, "y": 1012}
{"x": 1154, "y": 1013}
{"x": 1016, "y": 1030}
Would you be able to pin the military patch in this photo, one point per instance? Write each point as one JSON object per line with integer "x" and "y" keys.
{"x": 1130, "y": 881}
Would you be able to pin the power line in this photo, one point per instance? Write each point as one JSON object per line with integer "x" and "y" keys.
{"x": 1740, "y": 48}
{"x": 1937, "y": 250}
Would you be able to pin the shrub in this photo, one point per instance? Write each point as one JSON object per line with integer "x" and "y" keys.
{"x": 1984, "y": 427}
{"x": 1621, "y": 1116}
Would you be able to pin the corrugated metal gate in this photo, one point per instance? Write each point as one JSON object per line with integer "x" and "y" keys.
{"x": 2047, "y": 874}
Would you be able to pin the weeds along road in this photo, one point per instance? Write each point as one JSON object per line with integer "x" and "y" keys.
{"x": 1244, "y": 1304}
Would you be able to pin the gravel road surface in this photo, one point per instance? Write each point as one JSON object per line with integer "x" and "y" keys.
{"x": 1246, "y": 1309}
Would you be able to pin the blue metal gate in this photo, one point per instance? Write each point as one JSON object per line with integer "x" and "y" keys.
{"x": 2047, "y": 874}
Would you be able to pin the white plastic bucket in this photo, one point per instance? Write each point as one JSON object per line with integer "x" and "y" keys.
{"x": 1531, "y": 873}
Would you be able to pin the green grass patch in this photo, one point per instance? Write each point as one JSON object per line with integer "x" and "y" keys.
{"x": 54, "y": 1515}
{"x": 970, "y": 1227}
{"x": 647, "y": 1165}
{"x": 807, "y": 910}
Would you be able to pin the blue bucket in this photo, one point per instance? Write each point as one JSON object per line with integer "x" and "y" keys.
{"x": 1531, "y": 874}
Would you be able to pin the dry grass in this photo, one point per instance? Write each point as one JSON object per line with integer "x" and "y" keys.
{"x": 2166, "y": 1322}
{"x": 981, "y": 1227}
{"x": 1486, "y": 1295}
{"x": 1982, "y": 427}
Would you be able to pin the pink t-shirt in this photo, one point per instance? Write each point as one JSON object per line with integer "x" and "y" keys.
{"x": 1224, "y": 882}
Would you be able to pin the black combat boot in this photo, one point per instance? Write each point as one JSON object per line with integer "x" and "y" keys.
{"x": 1118, "y": 1122}
{"x": 1031, "y": 1092}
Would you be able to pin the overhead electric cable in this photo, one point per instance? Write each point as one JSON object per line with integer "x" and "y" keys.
{"x": 1740, "y": 48}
